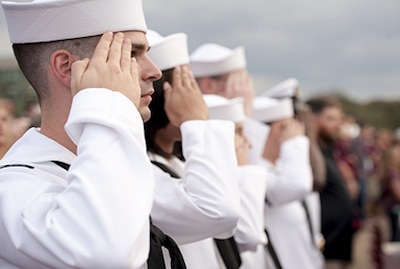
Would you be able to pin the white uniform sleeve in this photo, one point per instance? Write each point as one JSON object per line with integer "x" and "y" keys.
{"x": 100, "y": 217}
{"x": 252, "y": 183}
{"x": 205, "y": 203}
{"x": 291, "y": 178}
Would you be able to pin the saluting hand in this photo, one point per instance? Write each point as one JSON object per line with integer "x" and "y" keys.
{"x": 240, "y": 84}
{"x": 111, "y": 67}
{"x": 183, "y": 100}
{"x": 281, "y": 131}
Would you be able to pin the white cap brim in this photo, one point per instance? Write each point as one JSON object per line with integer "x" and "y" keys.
{"x": 269, "y": 110}
{"x": 52, "y": 20}
{"x": 214, "y": 60}
{"x": 221, "y": 108}
{"x": 168, "y": 52}
{"x": 285, "y": 89}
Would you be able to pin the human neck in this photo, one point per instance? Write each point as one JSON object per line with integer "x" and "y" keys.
{"x": 52, "y": 125}
{"x": 58, "y": 134}
{"x": 164, "y": 142}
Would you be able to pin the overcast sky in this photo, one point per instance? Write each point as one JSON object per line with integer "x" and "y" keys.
{"x": 351, "y": 45}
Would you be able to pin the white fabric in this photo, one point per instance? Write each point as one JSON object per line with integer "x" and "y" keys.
{"x": 285, "y": 89}
{"x": 291, "y": 178}
{"x": 199, "y": 254}
{"x": 267, "y": 109}
{"x": 251, "y": 182}
{"x": 213, "y": 60}
{"x": 222, "y": 108}
{"x": 314, "y": 206}
{"x": 202, "y": 254}
{"x": 250, "y": 236}
{"x": 287, "y": 226}
{"x": 255, "y": 259}
{"x": 50, "y": 20}
{"x": 94, "y": 216}
{"x": 206, "y": 200}
{"x": 168, "y": 52}
{"x": 289, "y": 181}
{"x": 257, "y": 133}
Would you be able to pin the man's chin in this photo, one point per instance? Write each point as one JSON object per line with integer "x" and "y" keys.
{"x": 145, "y": 113}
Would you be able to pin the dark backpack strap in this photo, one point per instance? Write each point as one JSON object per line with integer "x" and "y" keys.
{"x": 229, "y": 252}
{"x": 160, "y": 239}
{"x": 166, "y": 169}
{"x": 227, "y": 247}
{"x": 63, "y": 165}
{"x": 17, "y": 165}
{"x": 272, "y": 252}
{"x": 156, "y": 259}
{"x": 157, "y": 240}
{"x": 309, "y": 223}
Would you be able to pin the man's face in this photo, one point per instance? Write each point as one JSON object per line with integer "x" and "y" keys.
{"x": 329, "y": 123}
{"x": 148, "y": 71}
{"x": 214, "y": 85}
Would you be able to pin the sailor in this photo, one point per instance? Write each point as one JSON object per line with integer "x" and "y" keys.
{"x": 77, "y": 192}
{"x": 196, "y": 200}
{"x": 281, "y": 147}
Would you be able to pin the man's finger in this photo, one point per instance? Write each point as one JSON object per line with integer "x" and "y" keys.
{"x": 77, "y": 70}
{"x": 114, "y": 55}
{"x": 177, "y": 77}
{"x": 185, "y": 78}
{"x": 193, "y": 82}
{"x": 101, "y": 51}
{"x": 126, "y": 59}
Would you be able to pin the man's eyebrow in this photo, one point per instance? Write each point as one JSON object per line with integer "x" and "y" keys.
{"x": 139, "y": 46}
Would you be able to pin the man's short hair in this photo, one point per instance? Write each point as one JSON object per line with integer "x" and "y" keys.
{"x": 319, "y": 103}
{"x": 34, "y": 58}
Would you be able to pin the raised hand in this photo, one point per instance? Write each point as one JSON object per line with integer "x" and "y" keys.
{"x": 111, "y": 67}
{"x": 240, "y": 84}
{"x": 281, "y": 131}
{"x": 183, "y": 99}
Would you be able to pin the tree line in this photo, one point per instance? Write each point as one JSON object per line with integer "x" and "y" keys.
{"x": 381, "y": 114}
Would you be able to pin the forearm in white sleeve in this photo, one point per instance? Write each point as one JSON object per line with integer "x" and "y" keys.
{"x": 206, "y": 202}
{"x": 252, "y": 183}
{"x": 291, "y": 178}
{"x": 99, "y": 216}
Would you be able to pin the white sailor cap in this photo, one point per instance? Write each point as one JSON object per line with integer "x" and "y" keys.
{"x": 267, "y": 109}
{"x": 169, "y": 51}
{"x": 286, "y": 89}
{"x": 213, "y": 60}
{"x": 51, "y": 20}
{"x": 221, "y": 108}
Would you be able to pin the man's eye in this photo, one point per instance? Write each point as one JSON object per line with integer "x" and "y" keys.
{"x": 133, "y": 54}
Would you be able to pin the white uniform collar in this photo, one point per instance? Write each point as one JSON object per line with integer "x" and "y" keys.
{"x": 34, "y": 147}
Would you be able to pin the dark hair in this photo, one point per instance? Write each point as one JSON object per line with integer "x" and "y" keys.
{"x": 159, "y": 118}
{"x": 319, "y": 103}
{"x": 34, "y": 58}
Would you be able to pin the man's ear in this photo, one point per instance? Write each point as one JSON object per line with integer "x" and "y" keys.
{"x": 60, "y": 64}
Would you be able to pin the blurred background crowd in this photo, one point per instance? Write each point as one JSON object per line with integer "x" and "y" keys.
{"x": 367, "y": 153}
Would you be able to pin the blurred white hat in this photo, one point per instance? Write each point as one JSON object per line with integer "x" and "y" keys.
{"x": 267, "y": 109}
{"x": 51, "y": 20}
{"x": 213, "y": 60}
{"x": 221, "y": 108}
{"x": 169, "y": 51}
{"x": 286, "y": 89}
